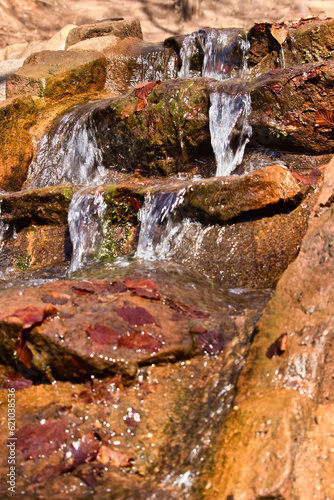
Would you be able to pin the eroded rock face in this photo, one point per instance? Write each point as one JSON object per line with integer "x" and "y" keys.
{"x": 285, "y": 390}
{"x": 58, "y": 74}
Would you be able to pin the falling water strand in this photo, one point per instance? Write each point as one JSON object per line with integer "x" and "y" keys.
{"x": 229, "y": 129}
{"x": 69, "y": 152}
{"x": 86, "y": 225}
{"x": 188, "y": 49}
{"x": 217, "y": 62}
{"x": 158, "y": 225}
{"x": 3, "y": 228}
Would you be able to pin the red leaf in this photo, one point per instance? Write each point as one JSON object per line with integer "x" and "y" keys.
{"x": 117, "y": 287}
{"x": 16, "y": 381}
{"x": 137, "y": 316}
{"x": 142, "y": 90}
{"x": 85, "y": 450}
{"x": 211, "y": 342}
{"x": 277, "y": 89}
{"x": 139, "y": 340}
{"x": 31, "y": 315}
{"x": 134, "y": 202}
{"x": 89, "y": 287}
{"x": 36, "y": 440}
{"x": 102, "y": 334}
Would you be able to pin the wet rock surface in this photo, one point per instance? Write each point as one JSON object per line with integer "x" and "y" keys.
{"x": 135, "y": 325}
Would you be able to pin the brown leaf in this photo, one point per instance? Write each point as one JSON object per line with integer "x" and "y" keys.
{"x": 127, "y": 111}
{"x": 279, "y": 33}
{"x": 211, "y": 342}
{"x": 139, "y": 340}
{"x": 189, "y": 311}
{"x": 102, "y": 334}
{"x": 142, "y": 90}
{"x": 24, "y": 354}
{"x": 113, "y": 457}
{"x": 141, "y": 104}
{"x": 277, "y": 89}
{"x": 143, "y": 288}
{"x": 135, "y": 204}
{"x": 324, "y": 118}
{"x": 36, "y": 440}
{"x": 278, "y": 347}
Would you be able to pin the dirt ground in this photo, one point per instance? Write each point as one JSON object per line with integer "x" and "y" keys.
{"x": 27, "y": 20}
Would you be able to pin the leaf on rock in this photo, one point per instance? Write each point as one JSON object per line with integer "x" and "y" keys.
{"x": 278, "y": 347}
{"x": 277, "y": 89}
{"x": 144, "y": 288}
{"x": 142, "y": 90}
{"x": 324, "y": 118}
{"x": 189, "y": 311}
{"x": 31, "y": 315}
{"x": 24, "y": 354}
{"x": 113, "y": 457}
{"x": 117, "y": 287}
{"x": 141, "y": 104}
{"x": 42, "y": 439}
{"x": 135, "y": 204}
{"x": 279, "y": 33}
{"x": 211, "y": 342}
{"x": 16, "y": 381}
{"x": 85, "y": 449}
{"x": 140, "y": 340}
{"x": 127, "y": 111}
{"x": 85, "y": 287}
{"x": 102, "y": 334}
{"x": 137, "y": 316}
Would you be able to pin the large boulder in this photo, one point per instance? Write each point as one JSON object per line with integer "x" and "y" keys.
{"x": 54, "y": 75}
{"x": 280, "y": 420}
{"x": 122, "y": 28}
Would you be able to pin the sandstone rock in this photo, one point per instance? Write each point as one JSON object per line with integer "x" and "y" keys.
{"x": 17, "y": 117}
{"x": 131, "y": 61}
{"x": 290, "y": 43}
{"x": 58, "y": 74}
{"x": 7, "y": 68}
{"x": 289, "y": 108}
{"x": 295, "y": 384}
{"x": 122, "y": 28}
{"x": 12, "y": 51}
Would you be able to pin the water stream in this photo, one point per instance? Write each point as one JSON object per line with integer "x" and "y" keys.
{"x": 86, "y": 226}
{"x": 70, "y": 152}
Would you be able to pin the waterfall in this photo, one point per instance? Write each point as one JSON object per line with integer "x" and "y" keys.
{"x": 188, "y": 49}
{"x": 158, "y": 224}
{"x": 69, "y": 152}
{"x": 229, "y": 129}
{"x": 86, "y": 225}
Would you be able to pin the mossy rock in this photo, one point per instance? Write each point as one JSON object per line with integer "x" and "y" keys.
{"x": 54, "y": 75}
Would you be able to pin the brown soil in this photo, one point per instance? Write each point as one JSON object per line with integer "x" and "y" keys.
{"x": 27, "y": 20}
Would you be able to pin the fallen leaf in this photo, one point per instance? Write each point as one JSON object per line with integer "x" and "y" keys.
{"x": 135, "y": 204}
{"x": 24, "y": 354}
{"x": 142, "y": 90}
{"x": 42, "y": 439}
{"x": 102, "y": 334}
{"x": 139, "y": 340}
{"x": 144, "y": 288}
{"x": 117, "y": 287}
{"x": 189, "y": 311}
{"x": 278, "y": 347}
{"x": 32, "y": 316}
{"x": 141, "y": 104}
{"x": 85, "y": 449}
{"x": 277, "y": 89}
{"x": 113, "y": 457}
{"x": 305, "y": 180}
{"x": 279, "y": 33}
{"x": 324, "y": 118}
{"x": 89, "y": 287}
{"x": 137, "y": 316}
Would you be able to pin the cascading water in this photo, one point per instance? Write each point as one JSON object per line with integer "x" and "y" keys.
{"x": 158, "y": 225}
{"x": 229, "y": 129}
{"x": 69, "y": 152}
{"x": 86, "y": 225}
